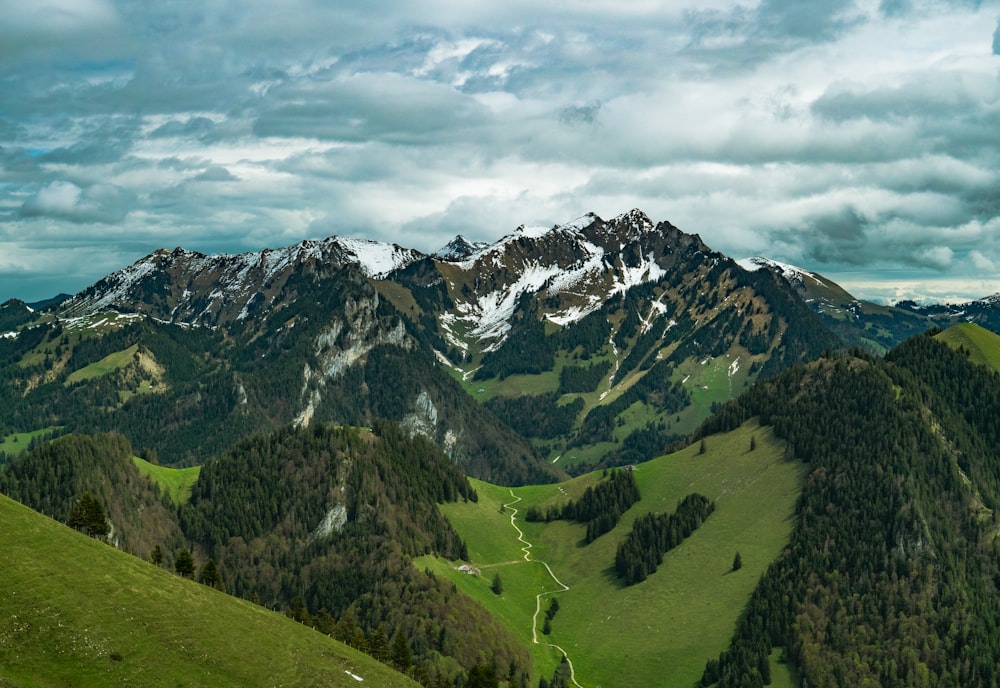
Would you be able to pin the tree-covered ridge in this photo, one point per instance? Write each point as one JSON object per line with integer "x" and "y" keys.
{"x": 599, "y": 507}
{"x": 53, "y": 477}
{"x": 653, "y": 535}
{"x": 332, "y": 515}
{"x": 286, "y": 482}
{"x": 891, "y": 573}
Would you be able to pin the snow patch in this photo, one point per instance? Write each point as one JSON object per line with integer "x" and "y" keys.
{"x": 791, "y": 273}
{"x": 647, "y": 271}
{"x": 378, "y": 259}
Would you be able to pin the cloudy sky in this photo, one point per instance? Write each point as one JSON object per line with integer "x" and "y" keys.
{"x": 860, "y": 139}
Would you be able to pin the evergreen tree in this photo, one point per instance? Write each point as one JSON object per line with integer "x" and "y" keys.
{"x": 297, "y": 610}
{"x": 324, "y": 622}
{"x": 737, "y": 562}
{"x": 210, "y": 575}
{"x": 497, "y": 586}
{"x": 88, "y": 517}
{"x": 482, "y": 676}
{"x": 156, "y": 556}
{"x": 184, "y": 563}
{"x": 399, "y": 651}
{"x": 347, "y": 631}
{"x": 378, "y": 644}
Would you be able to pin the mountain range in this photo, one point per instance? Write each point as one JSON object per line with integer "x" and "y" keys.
{"x": 635, "y": 330}
{"x": 343, "y": 382}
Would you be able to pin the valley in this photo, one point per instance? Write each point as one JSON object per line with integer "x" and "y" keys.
{"x": 393, "y": 448}
{"x": 661, "y": 631}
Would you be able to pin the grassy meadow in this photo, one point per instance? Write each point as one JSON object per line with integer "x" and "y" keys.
{"x": 76, "y": 612}
{"x": 176, "y": 482}
{"x": 982, "y": 344}
{"x": 108, "y": 364}
{"x": 17, "y": 443}
{"x": 661, "y": 631}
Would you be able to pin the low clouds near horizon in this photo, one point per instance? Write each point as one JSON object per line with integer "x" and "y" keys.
{"x": 855, "y": 138}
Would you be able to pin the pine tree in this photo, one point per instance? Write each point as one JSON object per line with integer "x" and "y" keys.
{"x": 210, "y": 575}
{"x": 156, "y": 556}
{"x": 297, "y": 610}
{"x": 737, "y": 562}
{"x": 378, "y": 644}
{"x": 400, "y": 651}
{"x": 497, "y": 586}
{"x": 184, "y": 563}
{"x": 88, "y": 517}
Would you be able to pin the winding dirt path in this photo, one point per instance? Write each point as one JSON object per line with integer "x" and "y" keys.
{"x": 538, "y": 598}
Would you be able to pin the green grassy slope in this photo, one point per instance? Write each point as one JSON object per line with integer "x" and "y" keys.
{"x": 176, "y": 482}
{"x": 661, "y": 631}
{"x": 75, "y": 612}
{"x": 18, "y": 442}
{"x": 106, "y": 365}
{"x": 982, "y": 344}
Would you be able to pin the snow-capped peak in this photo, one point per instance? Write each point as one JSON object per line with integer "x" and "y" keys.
{"x": 459, "y": 249}
{"x": 376, "y": 259}
{"x": 786, "y": 270}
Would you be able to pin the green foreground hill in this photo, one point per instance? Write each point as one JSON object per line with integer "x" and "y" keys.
{"x": 982, "y": 345}
{"x": 77, "y": 612}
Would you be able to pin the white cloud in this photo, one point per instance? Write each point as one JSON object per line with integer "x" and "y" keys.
{"x": 101, "y": 203}
{"x": 856, "y": 135}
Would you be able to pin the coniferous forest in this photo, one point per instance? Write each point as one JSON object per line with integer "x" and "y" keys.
{"x": 653, "y": 535}
{"x": 891, "y": 574}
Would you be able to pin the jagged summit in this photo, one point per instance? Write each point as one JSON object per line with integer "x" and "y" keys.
{"x": 459, "y": 249}
{"x": 577, "y": 266}
{"x": 188, "y": 286}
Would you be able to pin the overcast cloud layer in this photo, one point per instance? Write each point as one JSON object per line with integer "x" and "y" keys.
{"x": 857, "y": 139}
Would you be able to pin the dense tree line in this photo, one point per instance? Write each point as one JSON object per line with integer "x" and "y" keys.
{"x": 582, "y": 378}
{"x": 537, "y": 415}
{"x": 653, "y": 535}
{"x": 600, "y": 506}
{"x": 590, "y": 334}
{"x": 891, "y": 573}
{"x": 526, "y": 351}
